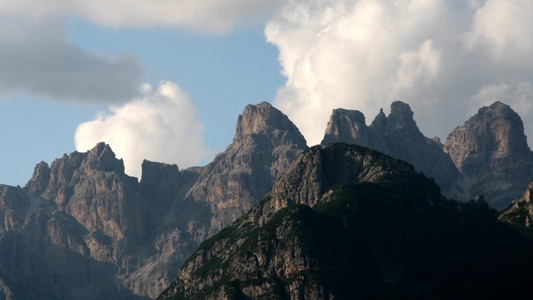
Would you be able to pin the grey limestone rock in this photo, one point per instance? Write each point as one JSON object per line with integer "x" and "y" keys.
{"x": 491, "y": 151}
{"x": 83, "y": 229}
{"x": 396, "y": 135}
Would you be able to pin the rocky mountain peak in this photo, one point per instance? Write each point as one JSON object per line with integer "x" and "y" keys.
{"x": 154, "y": 173}
{"x": 266, "y": 120}
{"x": 102, "y": 158}
{"x": 346, "y": 222}
{"x": 380, "y": 122}
{"x": 400, "y": 121}
{"x": 496, "y": 132}
{"x": 491, "y": 151}
{"x": 260, "y": 118}
{"x": 265, "y": 144}
{"x": 398, "y": 136}
{"x": 354, "y": 116}
{"x": 320, "y": 168}
{"x": 40, "y": 178}
{"x": 344, "y": 122}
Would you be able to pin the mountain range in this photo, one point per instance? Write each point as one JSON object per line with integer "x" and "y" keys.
{"x": 83, "y": 229}
{"x": 347, "y": 222}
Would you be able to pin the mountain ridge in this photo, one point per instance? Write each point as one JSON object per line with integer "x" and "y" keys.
{"x": 138, "y": 233}
{"x": 487, "y": 155}
{"x": 377, "y": 230}
{"x": 82, "y": 215}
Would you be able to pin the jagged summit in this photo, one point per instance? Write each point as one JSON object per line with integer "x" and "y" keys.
{"x": 347, "y": 222}
{"x": 155, "y": 173}
{"x": 100, "y": 158}
{"x": 264, "y": 119}
{"x": 400, "y": 122}
{"x": 39, "y": 179}
{"x": 83, "y": 229}
{"x": 491, "y": 151}
{"x": 265, "y": 143}
{"x": 495, "y": 132}
{"x": 487, "y": 155}
{"x": 380, "y": 121}
{"x": 396, "y": 135}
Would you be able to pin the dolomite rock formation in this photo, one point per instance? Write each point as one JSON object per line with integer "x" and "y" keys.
{"x": 82, "y": 229}
{"x": 488, "y": 155}
{"x": 396, "y": 135}
{"x": 491, "y": 152}
{"x": 346, "y": 222}
{"x": 70, "y": 233}
{"x": 265, "y": 144}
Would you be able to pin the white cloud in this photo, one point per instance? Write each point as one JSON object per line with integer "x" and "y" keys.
{"x": 504, "y": 26}
{"x": 205, "y": 15}
{"x": 519, "y": 95}
{"x": 435, "y": 55}
{"x": 35, "y": 59}
{"x": 160, "y": 126}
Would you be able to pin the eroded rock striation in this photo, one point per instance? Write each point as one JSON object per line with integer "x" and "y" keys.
{"x": 491, "y": 151}
{"x": 396, "y": 135}
{"x": 83, "y": 229}
{"x": 488, "y": 155}
{"x": 346, "y": 222}
{"x": 70, "y": 233}
{"x": 265, "y": 144}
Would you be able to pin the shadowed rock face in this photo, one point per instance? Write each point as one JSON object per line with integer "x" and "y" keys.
{"x": 70, "y": 232}
{"x": 487, "y": 155}
{"x": 346, "y": 222}
{"x": 398, "y": 136}
{"x": 491, "y": 151}
{"x": 83, "y": 229}
{"x": 265, "y": 143}
{"x": 492, "y": 139}
{"x": 520, "y": 213}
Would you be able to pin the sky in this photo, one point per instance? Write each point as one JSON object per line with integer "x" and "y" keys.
{"x": 166, "y": 80}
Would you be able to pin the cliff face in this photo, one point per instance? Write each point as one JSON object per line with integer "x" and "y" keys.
{"x": 491, "y": 151}
{"x": 82, "y": 229}
{"x": 396, "y": 135}
{"x": 487, "y": 155}
{"x": 70, "y": 232}
{"x": 345, "y": 222}
{"x": 265, "y": 143}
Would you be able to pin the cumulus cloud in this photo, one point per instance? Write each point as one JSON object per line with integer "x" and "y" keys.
{"x": 160, "y": 126}
{"x": 35, "y": 59}
{"x": 442, "y": 57}
{"x": 205, "y": 15}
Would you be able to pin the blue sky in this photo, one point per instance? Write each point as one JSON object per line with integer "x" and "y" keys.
{"x": 221, "y": 72}
{"x": 166, "y": 80}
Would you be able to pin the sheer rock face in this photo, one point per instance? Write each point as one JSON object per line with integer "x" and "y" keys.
{"x": 69, "y": 233}
{"x": 346, "y": 222}
{"x": 304, "y": 183}
{"x": 398, "y": 136}
{"x": 487, "y": 155}
{"x": 83, "y": 229}
{"x": 491, "y": 139}
{"x": 265, "y": 143}
{"x": 491, "y": 151}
